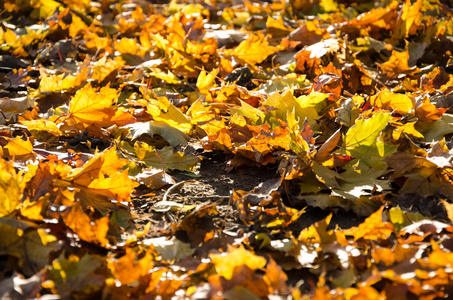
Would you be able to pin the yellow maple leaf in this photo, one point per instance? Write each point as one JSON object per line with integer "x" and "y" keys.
{"x": 104, "y": 68}
{"x": 11, "y": 188}
{"x": 254, "y": 50}
{"x": 409, "y": 19}
{"x": 128, "y": 46}
{"x": 398, "y": 103}
{"x": 17, "y": 148}
{"x": 42, "y": 128}
{"x": 225, "y": 263}
{"x": 102, "y": 174}
{"x": 57, "y": 83}
{"x": 91, "y": 107}
{"x": 206, "y": 80}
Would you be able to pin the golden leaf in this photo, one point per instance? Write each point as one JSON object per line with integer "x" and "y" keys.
{"x": 373, "y": 228}
{"x": 91, "y": 107}
{"x": 254, "y": 50}
{"x": 11, "y": 188}
{"x": 75, "y": 218}
{"x": 128, "y": 269}
{"x": 18, "y": 148}
{"x": 102, "y": 174}
{"x": 393, "y": 102}
{"x": 397, "y": 64}
{"x": 227, "y": 262}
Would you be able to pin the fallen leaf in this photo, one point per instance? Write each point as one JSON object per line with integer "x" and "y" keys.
{"x": 11, "y": 187}
{"x": 373, "y": 228}
{"x": 226, "y": 263}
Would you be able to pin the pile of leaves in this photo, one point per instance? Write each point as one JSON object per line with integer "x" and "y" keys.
{"x": 104, "y": 103}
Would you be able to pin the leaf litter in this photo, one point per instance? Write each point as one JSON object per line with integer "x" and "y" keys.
{"x": 226, "y": 149}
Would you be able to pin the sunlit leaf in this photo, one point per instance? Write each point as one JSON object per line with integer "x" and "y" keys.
{"x": 397, "y": 64}
{"x": 91, "y": 107}
{"x": 88, "y": 230}
{"x": 166, "y": 158}
{"x": 254, "y": 50}
{"x": 236, "y": 257}
{"x": 11, "y": 187}
{"x": 18, "y": 148}
{"x": 206, "y": 80}
{"x": 172, "y": 135}
{"x": 102, "y": 174}
{"x": 361, "y": 140}
{"x": 398, "y": 103}
{"x": 128, "y": 268}
{"x": 373, "y": 228}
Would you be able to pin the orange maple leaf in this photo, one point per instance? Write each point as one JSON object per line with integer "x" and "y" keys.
{"x": 373, "y": 228}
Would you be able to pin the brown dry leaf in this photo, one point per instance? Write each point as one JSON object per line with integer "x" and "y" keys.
{"x": 40, "y": 179}
{"x": 309, "y": 33}
{"x": 308, "y": 63}
{"x": 331, "y": 143}
{"x": 15, "y": 105}
{"x": 264, "y": 142}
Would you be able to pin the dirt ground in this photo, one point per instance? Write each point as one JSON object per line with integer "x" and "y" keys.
{"x": 214, "y": 184}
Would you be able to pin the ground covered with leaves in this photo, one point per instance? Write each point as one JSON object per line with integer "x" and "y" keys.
{"x": 226, "y": 149}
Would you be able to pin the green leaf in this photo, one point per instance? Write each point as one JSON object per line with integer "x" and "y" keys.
{"x": 31, "y": 246}
{"x": 435, "y": 131}
{"x": 365, "y": 132}
{"x": 76, "y": 275}
{"x": 361, "y": 141}
{"x": 255, "y": 115}
{"x": 304, "y": 107}
{"x": 359, "y": 180}
{"x": 297, "y": 144}
{"x": 401, "y": 219}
